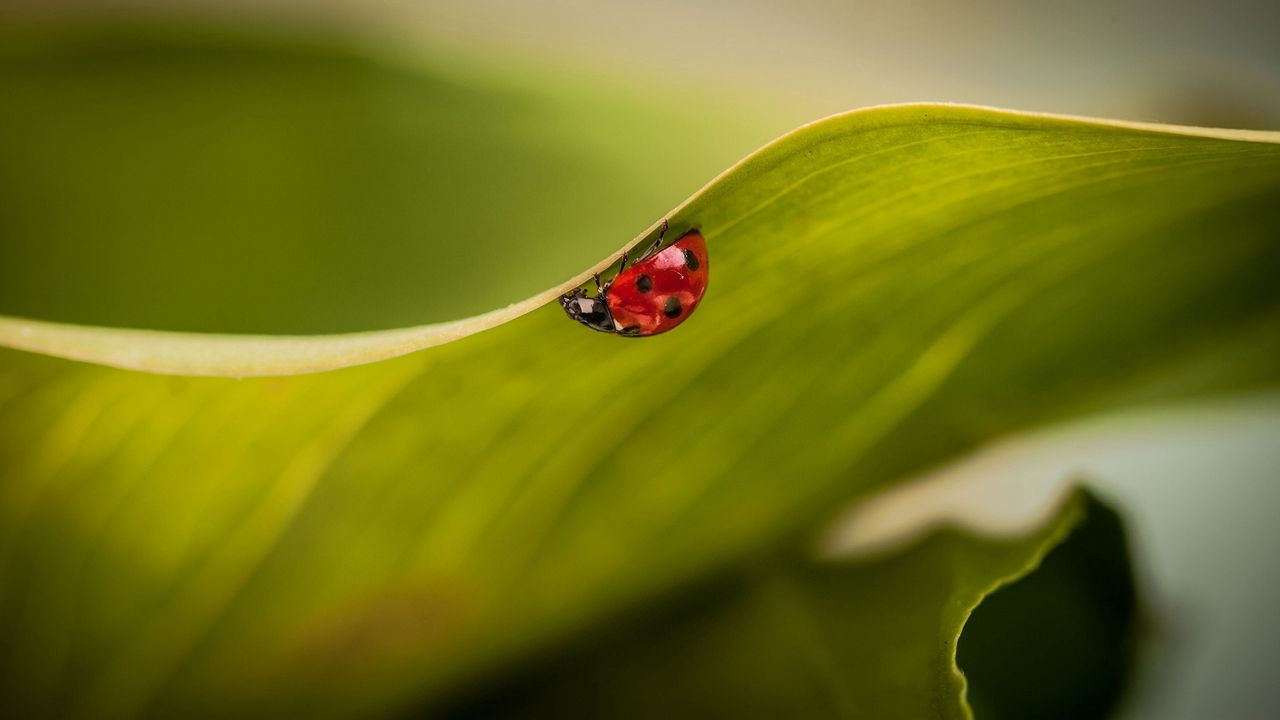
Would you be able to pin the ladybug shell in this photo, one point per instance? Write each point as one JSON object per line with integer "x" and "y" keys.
{"x": 660, "y": 291}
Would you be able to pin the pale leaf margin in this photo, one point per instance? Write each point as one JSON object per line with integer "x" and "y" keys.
{"x": 221, "y": 355}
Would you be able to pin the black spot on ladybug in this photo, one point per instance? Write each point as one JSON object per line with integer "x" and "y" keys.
{"x": 671, "y": 308}
{"x": 644, "y": 284}
{"x": 691, "y": 261}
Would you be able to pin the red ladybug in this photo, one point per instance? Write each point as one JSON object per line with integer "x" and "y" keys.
{"x": 656, "y": 293}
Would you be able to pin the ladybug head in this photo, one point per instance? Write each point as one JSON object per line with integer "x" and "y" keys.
{"x": 590, "y": 311}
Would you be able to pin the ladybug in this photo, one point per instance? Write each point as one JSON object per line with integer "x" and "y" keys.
{"x": 656, "y": 293}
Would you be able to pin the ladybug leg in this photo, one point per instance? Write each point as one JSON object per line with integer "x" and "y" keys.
{"x": 622, "y": 266}
{"x": 657, "y": 242}
{"x": 599, "y": 290}
{"x": 662, "y": 232}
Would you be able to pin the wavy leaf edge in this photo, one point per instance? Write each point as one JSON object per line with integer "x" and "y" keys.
{"x": 240, "y": 356}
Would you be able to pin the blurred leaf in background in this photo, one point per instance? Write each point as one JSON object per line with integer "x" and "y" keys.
{"x": 792, "y": 637}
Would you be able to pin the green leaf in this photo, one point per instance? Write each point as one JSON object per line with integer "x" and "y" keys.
{"x": 266, "y": 259}
{"x": 890, "y": 288}
{"x": 1061, "y": 642}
